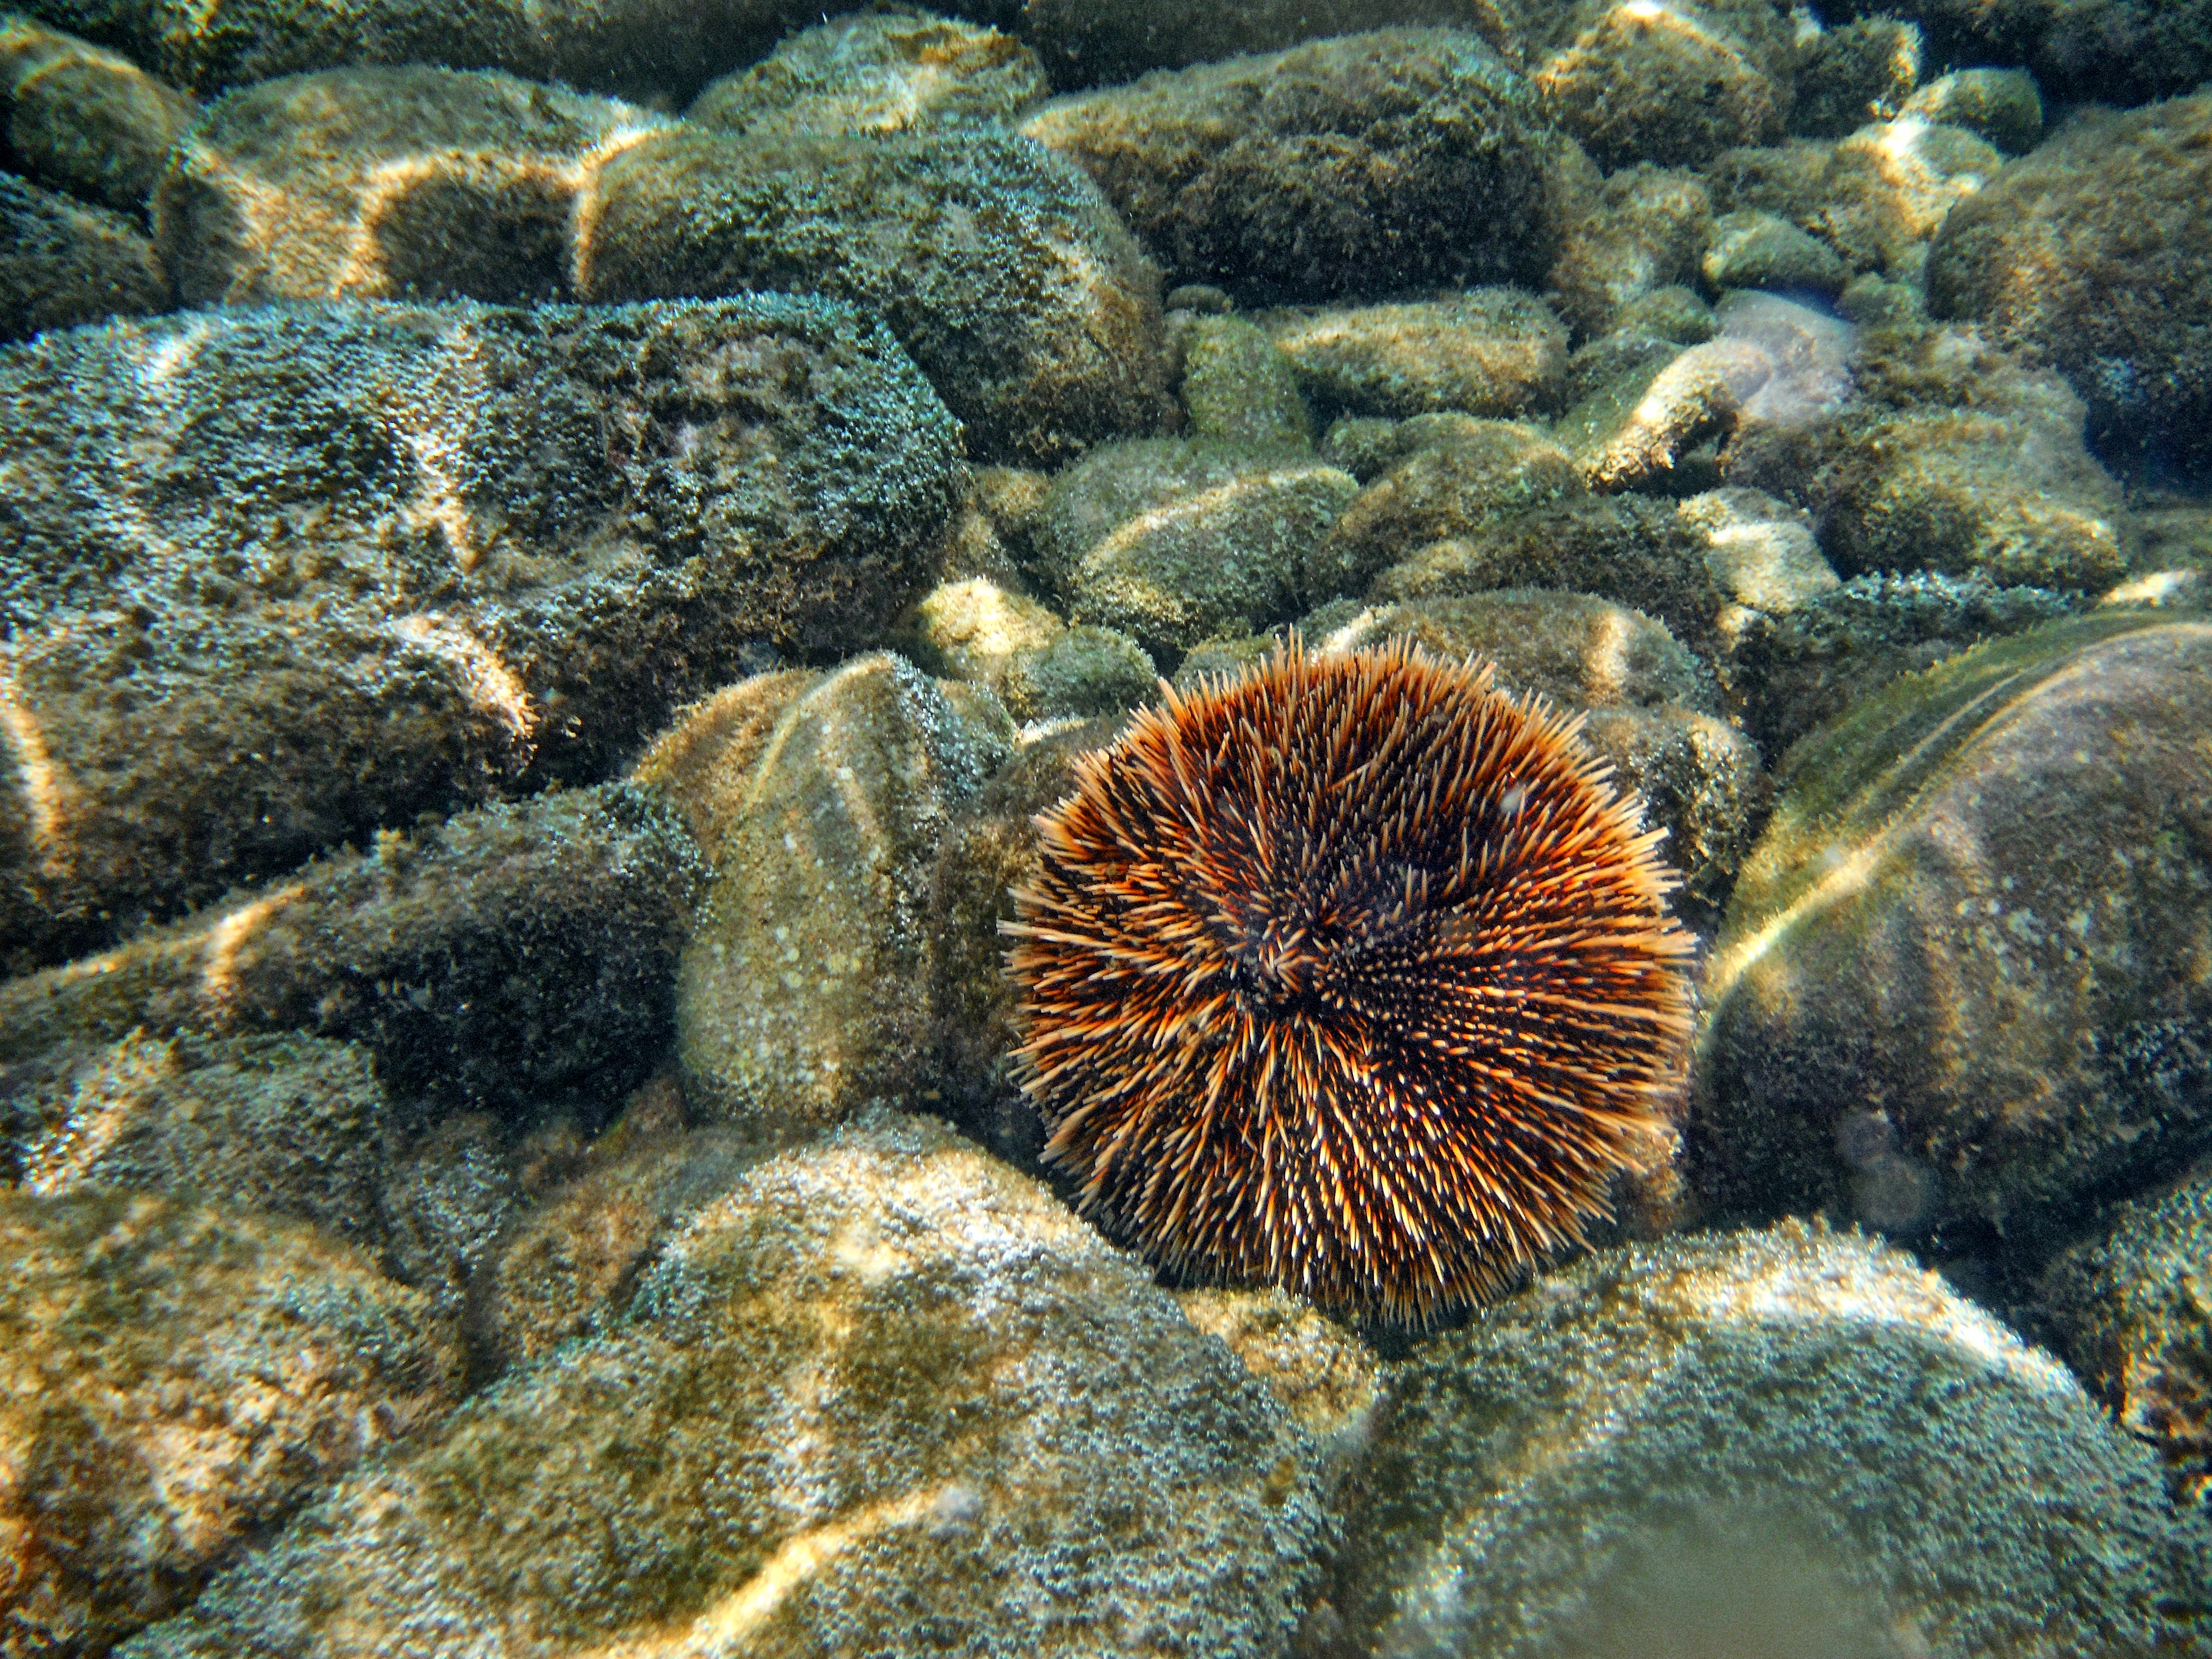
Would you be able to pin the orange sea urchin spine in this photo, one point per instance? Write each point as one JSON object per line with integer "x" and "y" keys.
{"x": 1351, "y": 974}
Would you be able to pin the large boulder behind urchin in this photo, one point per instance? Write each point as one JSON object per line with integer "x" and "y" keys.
{"x": 1788, "y": 1444}
{"x": 1960, "y": 987}
{"x": 2096, "y": 252}
{"x": 885, "y": 1396}
{"x": 1397, "y": 159}
{"x": 279, "y": 577}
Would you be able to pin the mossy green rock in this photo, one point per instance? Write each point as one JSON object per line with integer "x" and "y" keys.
{"x": 1958, "y": 973}
{"x": 886, "y": 1396}
{"x": 1787, "y": 1444}
{"x": 1461, "y": 475}
{"x": 354, "y": 563}
{"x": 175, "y": 1380}
{"x": 1643, "y": 232}
{"x": 2132, "y": 1306}
{"x": 2097, "y": 251}
{"x": 1239, "y": 389}
{"x": 796, "y": 1003}
{"x": 1399, "y": 158}
{"x": 84, "y": 120}
{"x": 63, "y": 263}
{"x": 1493, "y": 351}
{"x": 1171, "y": 542}
{"x": 1673, "y": 85}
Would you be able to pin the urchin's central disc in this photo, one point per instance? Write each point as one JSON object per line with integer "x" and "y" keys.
{"x": 1352, "y": 975}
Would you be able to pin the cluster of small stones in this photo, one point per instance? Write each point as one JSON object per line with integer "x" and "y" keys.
{"x": 554, "y": 557}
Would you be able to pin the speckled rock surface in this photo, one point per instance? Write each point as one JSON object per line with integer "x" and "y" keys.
{"x": 291, "y": 1125}
{"x": 1390, "y": 160}
{"x": 2001, "y": 105}
{"x": 885, "y": 1394}
{"x": 796, "y": 1003}
{"x": 511, "y": 955}
{"x": 1239, "y": 388}
{"x": 63, "y": 263}
{"x": 83, "y": 120}
{"x": 1789, "y": 1445}
{"x": 1864, "y": 71}
{"x": 1758, "y": 249}
{"x": 175, "y": 1380}
{"x": 998, "y": 265}
{"x": 1461, "y": 476}
{"x": 1328, "y": 1379}
{"x": 426, "y": 554}
{"x": 999, "y": 268}
{"x": 1493, "y": 351}
{"x": 1637, "y": 81}
{"x": 877, "y": 71}
{"x": 1889, "y": 187}
{"x": 1650, "y": 708}
{"x": 2132, "y": 1306}
{"x": 1645, "y": 230}
{"x": 2120, "y": 52}
{"x": 2096, "y": 249}
{"x": 1171, "y": 541}
{"x": 1952, "y": 992}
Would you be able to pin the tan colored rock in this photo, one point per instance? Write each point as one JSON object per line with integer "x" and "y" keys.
{"x": 796, "y": 1002}
{"x": 63, "y": 263}
{"x": 1889, "y": 186}
{"x": 1643, "y": 232}
{"x": 1630, "y": 436}
{"x": 175, "y": 1380}
{"x": 883, "y": 1395}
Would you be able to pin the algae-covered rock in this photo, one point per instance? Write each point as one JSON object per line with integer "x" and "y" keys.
{"x": 1637, "y": 81}
{"x": 877, "y": 71}
{"x": 796, "y": 1002}
{"x": 1080, "y": 674}
{"x": 1631, "y": 433}
{"x": 508, "y": 955}
{"x": 279, "y": 577}
{"x": 1396, "y": 159}
{"x": 2001, "y": 105}
{"x": 885, "y": 1394}
{"x": 2133, "y": 1310}
{"x": 2113, "y": 52}
{"x": 1493, "y": 351}
{"x": 64, "y": 264}
{"x": 1889, "y": 187}
{"x": 1240, "y": 388}
{"x": 84, "y": 120}
{"x": 998, "y": 265}
{"x": 1792, "y": 1444}
{"x": 2095, "y": 251}
{"x": 1865, "y": 71}
{"x": 1958, "y": 968}
{"x": 1758, "y": 249}
{"x": 1169, "y": 542}
{"x": 1644, "y": 231}
{"x": 1650, "y": 708}
{"x": 175, "y": 1379}
{"x": 1466, "y": 475}
{"x": 1328, "y": 1379}
{"x": 287, "y": 1124}
{"x": 1761, "y": 552}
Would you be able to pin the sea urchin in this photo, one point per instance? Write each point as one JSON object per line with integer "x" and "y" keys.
{"x": 1351, "y": 974}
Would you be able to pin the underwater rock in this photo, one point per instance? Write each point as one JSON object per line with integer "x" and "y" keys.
{"x": 63, "y": 263}
{"x": 1761, "y": 553}
{"x": 1674, "y": 312}
{"x": 1328, "y": 1380}
{"x": 175, "y": 1379}
{"x": 287, "y": 1125}
{"x": 2092, "y": 252}
{"x": 279, "y": 577}
{"x": 1630, "y": 548}
{"x": 1651, "y": 709}
{"x": 1239, "y": 389}
{"x": 998, "y": 265}
{"x": 1758, "y": 249}
{"x": 86, "y": 121}
{"x": 1953, "y": 458}
{"x": 1785, "y": 180}
{"x": 1954, "y": 989}
{"x": 1460, "y": 475}
{"x": 1631, "y": 432}
{"x": 1792, "y": 1443}
{"x": 796, "y": 1005}
{"x": 1492, "y": 351}
{"x": 508, "y": 955}
{"x": 2133, "y": 1314}
{"x": 1171, "y": 541}
{"x": 445, "y": 1205}
{"x": 636, "y": 49}
{"x": 877, "y": 71}
{"x": 1889, "y": 187}
{"x": 885, "y": 1394}
{"x": 999, "y": 268}
{"x": 1080, "y": 674}
{"x": 1644, "y": 231}
{"x": 415, "y": 182}
{"x": 1637, "y": 81}
{"x": 1100, "y": 42}
{"x": 2001, "y": 105}
{"x": 2111, "y": 51}
{"x": 1400, "y": 158}
{"x": 1862, "y": 71}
